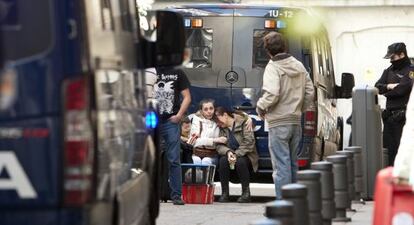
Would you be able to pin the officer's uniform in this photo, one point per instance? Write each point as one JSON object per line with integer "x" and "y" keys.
{"x": 394, "y": 115}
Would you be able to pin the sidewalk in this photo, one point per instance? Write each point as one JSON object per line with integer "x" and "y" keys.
{"x": 362, "y": 216}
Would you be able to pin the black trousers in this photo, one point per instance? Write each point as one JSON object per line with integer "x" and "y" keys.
{"x": 391, "y": 138}
{"x": 242, "y": 171}
{"x": 186, "y": 152}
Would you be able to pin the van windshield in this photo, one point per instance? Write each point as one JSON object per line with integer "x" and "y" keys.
{"x": 200, "y": 41}
{"x": 26, "y": 28}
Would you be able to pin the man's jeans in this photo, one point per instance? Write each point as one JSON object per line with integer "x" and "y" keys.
{"x": 170, "y": 132}
{"x": 283, "y": 147}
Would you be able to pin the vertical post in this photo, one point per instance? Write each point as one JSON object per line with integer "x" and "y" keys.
{"x": 351, "y": 175}
{"x": 280, "y": 210}
{"x": 297, "y": 193}
{"x": 327, "y": 189}
{"x": 311, "y": 179}
{"x": 340, "y": 186}
{"x": 358, "y": 182}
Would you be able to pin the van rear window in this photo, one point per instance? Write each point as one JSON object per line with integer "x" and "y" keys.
{"x": 26, "y": 28}
{"x": 260, "y": 56}
{"x": 200, "y": 41}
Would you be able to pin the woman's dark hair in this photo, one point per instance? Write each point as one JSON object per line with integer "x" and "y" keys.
{"x": 185, "y": 119}
{"x": 221, "y": 110}
{"x": 204, "y": 101}
{"x": 274, "y": 43}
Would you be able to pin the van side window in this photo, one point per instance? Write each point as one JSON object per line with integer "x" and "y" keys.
{"x": 107, "y": 17}
{"x": 200, "y": 41}
{"x": 126, "y": 22}
{"x": 21, "y": 35}
{"x": 323, "y": 53}
{"x": 330, "y": 83}
{"x": 320, "y": 57}
{"x": 326, "y": 56}
{"x": 325, "y": 64}
{"x": 307, "y": 55}
{"x": 327, "y": 59}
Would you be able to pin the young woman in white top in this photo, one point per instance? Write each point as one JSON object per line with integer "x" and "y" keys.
{"x": 204, "y": 134}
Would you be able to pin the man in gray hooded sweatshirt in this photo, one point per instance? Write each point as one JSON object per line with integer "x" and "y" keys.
{"x": 287, "y": 92}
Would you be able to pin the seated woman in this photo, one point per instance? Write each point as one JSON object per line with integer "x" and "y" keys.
{"x": 238, "y": 154}
{"x": 204, "y": 134}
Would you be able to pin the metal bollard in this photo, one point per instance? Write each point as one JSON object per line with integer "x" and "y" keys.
{"x": 351, "y": 175}
{"x": 297, "y": 193}
{"x": 312, "y": 180}
{"x": 280, "y": 210}
{"x": 265, "y": 221}
{"x": 341, "y": 186}
{"x": 358, "y": 178}
{"x": 327, "y": 188}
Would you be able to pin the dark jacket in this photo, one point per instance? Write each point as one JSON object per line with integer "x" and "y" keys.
{"x": 398, "y": 97}
{"x": 245, "y": 137}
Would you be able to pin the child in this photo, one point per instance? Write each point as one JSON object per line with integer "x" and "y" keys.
{"x": 186, "y": 149}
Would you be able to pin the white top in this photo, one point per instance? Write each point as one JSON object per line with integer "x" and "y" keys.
{"x": 209, "y": 131}
{"x": 404, "y": 161}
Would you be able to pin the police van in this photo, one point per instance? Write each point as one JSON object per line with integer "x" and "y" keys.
{"x": 228, "y": 61}
{"x": 75, "y": 144}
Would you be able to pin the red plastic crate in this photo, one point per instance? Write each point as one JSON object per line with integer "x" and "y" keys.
{"x": 393, "y": 203}
{"x": 198, "y": 193}
{"x": 198, "y": 173}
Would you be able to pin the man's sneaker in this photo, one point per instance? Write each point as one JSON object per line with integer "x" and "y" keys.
{"x": 178, "y": 201}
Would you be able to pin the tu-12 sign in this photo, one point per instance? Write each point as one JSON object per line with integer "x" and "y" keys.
{"x": 281, "y": 13}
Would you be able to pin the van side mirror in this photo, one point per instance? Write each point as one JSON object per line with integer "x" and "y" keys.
{"x": 347, "y": 84}
{"x": 168, "y": 48}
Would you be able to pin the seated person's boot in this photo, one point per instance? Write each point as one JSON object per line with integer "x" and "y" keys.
{"x": 225, "y": 196}
{"x": 245, "y": 197}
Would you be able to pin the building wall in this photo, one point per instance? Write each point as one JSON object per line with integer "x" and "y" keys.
{"x": 359, "y": 39}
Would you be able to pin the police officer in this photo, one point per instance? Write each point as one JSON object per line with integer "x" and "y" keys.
{"x": 395, "y": 84}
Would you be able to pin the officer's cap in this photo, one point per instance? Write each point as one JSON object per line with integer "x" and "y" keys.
{"x": 395, "y": 48}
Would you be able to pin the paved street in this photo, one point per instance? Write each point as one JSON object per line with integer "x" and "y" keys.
{"x": 240, "y": 214}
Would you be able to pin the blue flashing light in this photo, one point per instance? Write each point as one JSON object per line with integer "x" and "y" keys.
{"x": 187, "y": 22}
{"x": 151, "y": 120}
{"x": 281, "y": 24}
